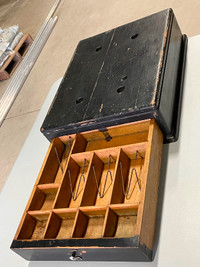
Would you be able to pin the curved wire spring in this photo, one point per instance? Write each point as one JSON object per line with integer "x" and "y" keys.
{"x": 75, "y": 196}
{"x": 101, "y": 195}
{"x": 126, "y": 192}
{"x": 69, "y": 143}
{"x": 59, "y": 162}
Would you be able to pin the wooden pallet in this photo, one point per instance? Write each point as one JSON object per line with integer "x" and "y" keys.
{"x": 13, "y": 61}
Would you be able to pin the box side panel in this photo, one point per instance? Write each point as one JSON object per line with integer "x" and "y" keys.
{"x": 148, "y": 206}
{"x": 171, "y": 78}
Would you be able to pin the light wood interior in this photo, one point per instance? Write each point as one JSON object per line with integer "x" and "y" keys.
{"x": 81, "y": 195}
{"x": 121, "y": 221}
{"x": 60, "y": 224}
{"x": 89, "y": 223}
{"x": 126, "y": 174}
{"x": 132, "y": 133}
{"x": 126, "y": 226}
{"x": 55, "y": 162}
{"x": 43, "y": 198}
{"x": 34, "y": 226}
{"x": 97, "y": 176}
{"x": 74, "y": 181}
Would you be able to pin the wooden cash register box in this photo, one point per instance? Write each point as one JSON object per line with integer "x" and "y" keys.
{"x": 95, "y": 197}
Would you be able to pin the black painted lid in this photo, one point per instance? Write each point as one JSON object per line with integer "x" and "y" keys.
{"x": 130, "y": 73}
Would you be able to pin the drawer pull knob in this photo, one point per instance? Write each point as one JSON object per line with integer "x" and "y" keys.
{"x": 73, "y": 257}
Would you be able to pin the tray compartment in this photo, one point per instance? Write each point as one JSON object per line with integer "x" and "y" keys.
{"x": 44, "y": 197}
{"x": 99, "y": 184}
{"x": 128, "y": 180}
{"x": 113, "y": 137}
{"x": 34, "y": 225}
{"x": 74, "y": 181}
{"x": 61, "y": 224}
{"x": 52, "y": 167}
{"x": 79, "y": 144}
{"x": 89, "y": 222}
{"x": 121, "y": 221}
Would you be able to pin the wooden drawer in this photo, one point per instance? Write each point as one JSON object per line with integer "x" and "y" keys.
{"x": 95, "y": 197}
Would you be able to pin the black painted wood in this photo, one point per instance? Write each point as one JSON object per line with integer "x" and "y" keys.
{"x": 130, "y": 73}
{"x": 96, "y": 254}
{"x": 103, "y": 249}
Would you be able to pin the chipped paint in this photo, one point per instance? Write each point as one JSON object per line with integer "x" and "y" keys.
{"x": 160, "y": 65}
{"x": 101, "y": 108}
{"x": 102, "y": 65}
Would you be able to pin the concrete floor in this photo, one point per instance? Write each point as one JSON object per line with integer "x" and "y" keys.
{"x": 77, "y": 19}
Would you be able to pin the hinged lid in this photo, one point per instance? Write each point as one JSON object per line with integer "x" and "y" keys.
{"x": 130, "y": 73}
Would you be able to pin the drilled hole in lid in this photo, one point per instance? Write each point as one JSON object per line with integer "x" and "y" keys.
{"x": 134, "y": 36}
{"x": 98, "y": 48}
{"x": 123, "y": 78}
{"x": 79, "y": 100}
{"x": 120, "y": 89}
